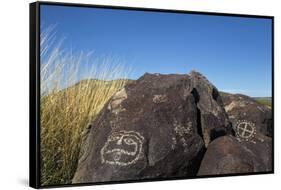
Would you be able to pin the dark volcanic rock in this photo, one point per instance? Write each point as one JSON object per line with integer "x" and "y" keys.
{"x": 226, "y": 155}
{"x": 213, "y": 118}
{"x": 250, "y": 150}
{"x": 261, "y": 146}
{"x": 241, "y": 108}
{"x": 154, "y": 127}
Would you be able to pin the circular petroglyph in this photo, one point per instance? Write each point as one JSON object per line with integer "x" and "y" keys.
{"x": 122, "y": 148}
{"x": 245, "y": 130}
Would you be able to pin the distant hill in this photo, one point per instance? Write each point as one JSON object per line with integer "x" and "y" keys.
{"x": 267, "y": 101}
{"x": 264, "y": 100}
{"x": 94, "y": 82}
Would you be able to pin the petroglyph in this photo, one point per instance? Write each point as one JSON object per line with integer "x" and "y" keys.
{"x": 181, "y": 132}
{"x": 116, "y": 100}
{"x": 245, "y": 130}
{"x": 234, "y": 104}
{"x": 157, "y": 99}
{"x": 118, "y": 110}
{"x": 183, "y": 141}
{"x": 122, "y": 148}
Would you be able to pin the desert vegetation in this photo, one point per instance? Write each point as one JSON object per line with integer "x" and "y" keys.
{"x": 267, "y": 101}
{"x": 74, "y": 88}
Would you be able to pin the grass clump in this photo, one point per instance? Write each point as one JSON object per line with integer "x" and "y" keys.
{"x": 69, "y": 103}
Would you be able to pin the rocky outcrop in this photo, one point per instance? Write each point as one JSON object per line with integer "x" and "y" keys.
{"x": 213, "y": 118}
{"x": 163, "y": 126}
{"x": 241, "y": 108}
{"x": 157, "y": 126}
{"x": 226, "y": 155}
{"x": 250, "y": 149}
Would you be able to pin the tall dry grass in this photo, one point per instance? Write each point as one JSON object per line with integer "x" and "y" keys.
{"x": 68, "y": 103}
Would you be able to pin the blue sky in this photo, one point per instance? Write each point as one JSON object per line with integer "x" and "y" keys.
{"x": 234, "y": 53}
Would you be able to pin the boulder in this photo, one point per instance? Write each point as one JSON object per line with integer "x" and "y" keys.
{"x": 154, "y": 127}
{"x": 212, "y": 116}
{"x": 241, "y": 109}
{"x": 226, "y": 155}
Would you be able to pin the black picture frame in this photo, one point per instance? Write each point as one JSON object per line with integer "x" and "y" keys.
{"x": 34, "y": 87}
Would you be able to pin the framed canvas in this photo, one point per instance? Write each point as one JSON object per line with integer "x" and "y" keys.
{"x": 123, "y": 94}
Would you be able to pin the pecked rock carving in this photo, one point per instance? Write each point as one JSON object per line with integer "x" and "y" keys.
{"x": 150, "y": 124}
{"x": 162, "y": 125}
{"x": 122, "y": 148}
{"x": 117, "y": 99}
{"x": 245, "y": 130}
{"x": 240, "y": 107}
{"x": 157, "y": 99}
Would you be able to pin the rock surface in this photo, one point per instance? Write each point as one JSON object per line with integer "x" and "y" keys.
{"x": 157, "y": 126}
{"x": 241, "y": 108}
{"x": 226, "y": 155}
{"x": 213, "y": 118}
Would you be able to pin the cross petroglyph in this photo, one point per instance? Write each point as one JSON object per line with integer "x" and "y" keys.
{"x": 245, "y": 130}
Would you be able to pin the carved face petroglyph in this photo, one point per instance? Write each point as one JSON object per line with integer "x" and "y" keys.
{"x": 122, "y": 148}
